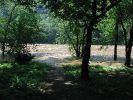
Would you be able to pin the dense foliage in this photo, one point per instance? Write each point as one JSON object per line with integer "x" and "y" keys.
{"x": 21, "y": 81}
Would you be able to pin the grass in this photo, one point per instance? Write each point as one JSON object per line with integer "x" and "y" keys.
{"x": 73, "y": 71}
{"x": 106, "y": 83}
{"x": 21, "y": 82}
{"x": 18, "y": 82}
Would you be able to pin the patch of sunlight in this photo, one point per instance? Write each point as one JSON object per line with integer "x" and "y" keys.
{"x": 107, "y": 68}
{"x": 68, "y": 83}
{"x": 59, "y": 78}
{"x": 45, "y": 87}
{"x": 117, "y": 67}
{"x": 5, "y": 65}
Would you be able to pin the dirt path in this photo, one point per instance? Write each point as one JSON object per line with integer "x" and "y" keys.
{"x": 56, "y": 87}
{"x": 54, "y": 55}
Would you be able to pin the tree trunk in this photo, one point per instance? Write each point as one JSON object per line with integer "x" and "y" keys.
{"x": 116, "y": 40}
{"x": 83, "y": 42}
{"x": 77, "y": 53}
{"x": 129, "y": 48}
{"x": 115, "y": 52}
{"x": 125, "y": 34}
{"x": 77, "y": 45}
{"x": 86, "y": 54}
{"x": 87, "y": 49}
{"x": 3, "y": 49}
{"x": 124, "y": 29}
{"x": 4, "y": 46}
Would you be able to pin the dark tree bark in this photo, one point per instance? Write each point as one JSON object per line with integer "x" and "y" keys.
{"x": 83, "y": 42}
{"x": 123, "y": 27}
{"x": 125, "y": 34}
{"x": 87, "y": 49}
{"x": 77, "y": 45}
{"x": 86, "y": 54}
{"x": 3, "y": 49}
{"x": 116, "y": 40}
{"x": 129, "y": 48}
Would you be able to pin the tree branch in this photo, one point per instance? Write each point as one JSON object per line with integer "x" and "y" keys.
{"x": 108, "y": 8}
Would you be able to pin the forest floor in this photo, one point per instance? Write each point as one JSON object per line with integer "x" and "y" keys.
{"x": 58, "y": 87}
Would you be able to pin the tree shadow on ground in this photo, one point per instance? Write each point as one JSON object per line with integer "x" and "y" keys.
{"x": 103, "y": 85}
{"x": 16, "y": 83}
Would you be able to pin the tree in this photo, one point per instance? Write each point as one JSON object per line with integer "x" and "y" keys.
{"x": 52, "y": 28}
{"x": 23, "y": 31}
{"x": 106, "y": 29}
{"x": 89, "y": 12}
{"x": 126, "y": 21}
{"x": 129, "y": 48}
{"x": 130, "y": 40}
{"x": 116, "y": 36}
{"x": 19, "y": 29}
{"x": 8, "y": 12}
{"x": 74, "y": 36}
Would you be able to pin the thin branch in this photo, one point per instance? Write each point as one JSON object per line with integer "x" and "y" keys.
{"x": 108, "y": 8}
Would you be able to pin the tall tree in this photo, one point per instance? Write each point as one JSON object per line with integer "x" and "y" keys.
{"x": 19, "y": 26}
{"x": 129, "y": 48}
{"x": 116, "y": 37}
{"x": 130, "y": 40}
{"x": 90, "y": 11}
{"x": 74, "y": 36}
{"x": 8, "y": 14}
{"x": 95, "y": 18}
{"x": 126, "y": 21}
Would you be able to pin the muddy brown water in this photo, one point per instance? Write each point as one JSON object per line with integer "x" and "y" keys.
{"x": 55, "y": 54}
